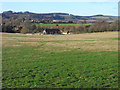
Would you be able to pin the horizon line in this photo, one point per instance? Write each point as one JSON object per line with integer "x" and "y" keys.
{"x": 56, "y": 12}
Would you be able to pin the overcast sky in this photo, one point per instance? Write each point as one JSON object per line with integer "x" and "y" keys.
{"x": 76, "y": 8}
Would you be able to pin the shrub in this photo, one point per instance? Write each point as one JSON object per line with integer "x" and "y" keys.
{"x": 24, "y": 30}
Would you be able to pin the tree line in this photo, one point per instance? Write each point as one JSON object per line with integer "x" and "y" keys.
{"x": 22, "y": 25}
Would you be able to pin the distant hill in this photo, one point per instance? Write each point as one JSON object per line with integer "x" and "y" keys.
{"x": 55, "y": 16}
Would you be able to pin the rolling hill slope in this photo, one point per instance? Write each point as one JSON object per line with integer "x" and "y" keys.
{"x": 55, "y": 16}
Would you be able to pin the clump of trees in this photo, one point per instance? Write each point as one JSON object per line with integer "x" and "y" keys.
{"x": 99, "y": 27}
{"x": 14, "y": 25}
{"x": 114, "y": 26}
{"x": 103, "y": 26}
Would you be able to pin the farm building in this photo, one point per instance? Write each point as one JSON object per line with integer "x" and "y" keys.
{"x": 51, "y": 31}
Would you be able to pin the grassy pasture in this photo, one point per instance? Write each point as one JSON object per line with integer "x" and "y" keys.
{"x": 60, "y": 24}
{"x": 87, "y": 60}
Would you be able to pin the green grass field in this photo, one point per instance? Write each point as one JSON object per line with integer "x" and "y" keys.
{"x": 87, "y": 60}
{"x": 60, "y": 24}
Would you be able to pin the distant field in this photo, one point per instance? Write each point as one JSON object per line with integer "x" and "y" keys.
{"x": 60, "y": 24}
{"x": 87, "y": 60}
{"x": 104, "y": 17}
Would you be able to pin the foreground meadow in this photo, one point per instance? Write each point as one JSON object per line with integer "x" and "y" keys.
{"x": 87, "y": 60}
